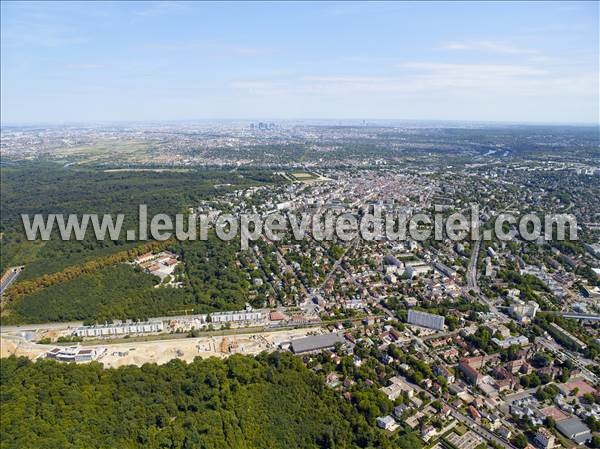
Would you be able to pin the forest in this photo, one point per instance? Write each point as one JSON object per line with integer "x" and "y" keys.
{"x": 88, "y": 280}
{"x": 213, "y": 274}
{"x": 270, "y": 401}
{"x": 44, "y": 188}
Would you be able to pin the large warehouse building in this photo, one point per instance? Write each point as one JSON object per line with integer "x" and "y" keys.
{"x": 316, "y": 343}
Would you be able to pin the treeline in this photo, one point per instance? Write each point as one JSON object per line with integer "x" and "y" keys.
{"x": 271, "y": 401}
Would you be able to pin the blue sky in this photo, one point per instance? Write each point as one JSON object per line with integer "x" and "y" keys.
{"x": 504, "y": 61}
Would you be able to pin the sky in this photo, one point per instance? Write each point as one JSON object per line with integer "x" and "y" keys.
{"x": 487, "y": 61}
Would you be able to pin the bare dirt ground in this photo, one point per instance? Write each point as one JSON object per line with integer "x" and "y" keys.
{"x": 20, "y": 348}
{"x": 189, "y": 348}
{"x": 161, "y": 351}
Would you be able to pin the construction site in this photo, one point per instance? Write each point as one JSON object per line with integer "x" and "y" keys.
{"x": 161, "y": 351}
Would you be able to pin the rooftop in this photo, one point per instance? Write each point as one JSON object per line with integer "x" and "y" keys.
{"x": 316, "y": 342}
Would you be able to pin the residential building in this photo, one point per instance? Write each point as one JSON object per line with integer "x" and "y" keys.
{"x": 425, "y": 319}
{"x": 544, "y": 438}
{"x": 396, "y": 387}
{"x": 387, "y": 423}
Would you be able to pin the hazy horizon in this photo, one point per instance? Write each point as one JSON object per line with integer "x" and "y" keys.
{"x": 303, "y": 121}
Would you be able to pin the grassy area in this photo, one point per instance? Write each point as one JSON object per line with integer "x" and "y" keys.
{"x": 303, "y": 175}
{"x": 460, "y": 429}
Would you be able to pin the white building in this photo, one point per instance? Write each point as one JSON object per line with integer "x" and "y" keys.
{"x": 387, "y": 423}
{"x": 425, "y": 319}
{"x": 236, "y": 316}
{"x": 126, "y": 328}
{"x": 521, "y": 340}
{"x": 396, "y": 387}
{"x": 523, "y": 312}
{"x": 75, "y": 354}
{"x": 416, "y": 270}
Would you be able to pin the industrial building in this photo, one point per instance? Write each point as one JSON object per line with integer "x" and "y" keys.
{"x": 316, "y": 343}
{"x": 425, "y": 319}
{"x": 574, "y": 429}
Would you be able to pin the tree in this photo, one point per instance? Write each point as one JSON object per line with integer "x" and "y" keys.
{"x": 520, "y": 441}
{"x": 588, "y": 398}
{"x": 541, "y": 360}
{"x": 271, "y": 400}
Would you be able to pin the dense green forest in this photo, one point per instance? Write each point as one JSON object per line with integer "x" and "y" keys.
{"x": 214, "y": 275}
{"x": 69, "y": 280}
{"x": 116, "y": 292}
{"x": 271, "y": 401}
{"x": 35, "y": 187}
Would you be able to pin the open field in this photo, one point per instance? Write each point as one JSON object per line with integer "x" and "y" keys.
{"x": 303, "y": 175}
{"x": 20, "y": 348}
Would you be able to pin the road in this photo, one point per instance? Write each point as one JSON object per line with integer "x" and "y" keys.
{"x": 577, "y": 316}
{"x": 9, "y": 277}
{"x": 338, "y": 262}
{"x": 471, "y": 424}
{"x": 564, "y": 355}
{"x": 480, "y": 430}
{"x": 472, "y": 268}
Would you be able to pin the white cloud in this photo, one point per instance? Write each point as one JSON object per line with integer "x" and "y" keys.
{"x": 262, "y": 88}
{"x": 38, "y": 34}
{"x": 431, "y": 78}
{"x": 487, "y": 46}
{"x": 475, "y": 70}
{"x": 157, "y": 9}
